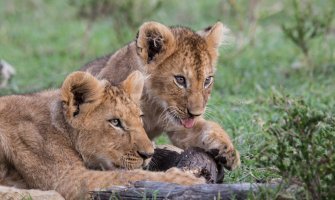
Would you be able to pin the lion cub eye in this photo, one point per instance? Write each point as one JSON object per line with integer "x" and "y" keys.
{"x": 115, "y": 123}
{"x": 141, "y": 118}
{"x": 208, "y": 81}
{"x": 180, "y": 81}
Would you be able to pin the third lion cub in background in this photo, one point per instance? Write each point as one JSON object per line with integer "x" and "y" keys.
{"x": 180, "y": 67}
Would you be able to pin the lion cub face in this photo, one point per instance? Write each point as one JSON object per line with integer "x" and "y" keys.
{"x": 107, "y": 121}
{"x": 181, "y": 65}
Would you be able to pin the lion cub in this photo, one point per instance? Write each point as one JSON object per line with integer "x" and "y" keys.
{"x": 50, "y": 139}
{"x": 180, "y": 65}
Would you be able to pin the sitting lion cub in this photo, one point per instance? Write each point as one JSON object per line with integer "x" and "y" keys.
{"x": 180, "y": 66}
{"x": 49, "y": 139}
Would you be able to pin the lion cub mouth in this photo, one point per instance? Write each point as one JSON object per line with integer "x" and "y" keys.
{"x": 188, "y": 122}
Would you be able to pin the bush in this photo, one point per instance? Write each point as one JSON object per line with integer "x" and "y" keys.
{"x": 301, "y": 145}
{"x": 306, "y": 21}
{"x": 126, "y": 13}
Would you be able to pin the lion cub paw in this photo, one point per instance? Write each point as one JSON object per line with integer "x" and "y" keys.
{"x": 175, "y": 175}
{"x": 217, "y": 142}
{"x": 227, "y": 157}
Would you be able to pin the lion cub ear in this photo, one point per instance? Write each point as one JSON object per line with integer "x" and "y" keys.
{"x": 215, "y": 35}
{"x": 155, "y": 42}
{"x": 79, "y": 89}
{"x": 133, "y": 85}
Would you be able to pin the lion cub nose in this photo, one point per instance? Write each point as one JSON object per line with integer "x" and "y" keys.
{"x": 144, "y": 155}
{"x": 194, "y": 113}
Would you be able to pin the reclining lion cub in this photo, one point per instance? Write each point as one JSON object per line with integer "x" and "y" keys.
{"x": 49, "y": 139}
{"x": 180, "y": 65}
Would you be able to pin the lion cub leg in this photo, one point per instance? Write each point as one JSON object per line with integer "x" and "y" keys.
{"x": 9, "y": 176}
{"x": 211, "y": 137}
{"x": 78, "y": 184}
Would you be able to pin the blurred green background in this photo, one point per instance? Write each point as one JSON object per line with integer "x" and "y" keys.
{"x": 276, "y": 47}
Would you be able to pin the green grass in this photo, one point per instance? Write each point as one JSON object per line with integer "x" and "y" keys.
{"x": 45, "y": 40}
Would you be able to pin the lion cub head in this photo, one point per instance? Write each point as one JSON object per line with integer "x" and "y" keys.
{"x": 108, "y": 129}
{"x": 181, "y": 66}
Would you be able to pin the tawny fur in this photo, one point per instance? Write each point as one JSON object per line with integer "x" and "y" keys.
{"x": 48, "y": 140}
{"x": 161, "y": 53}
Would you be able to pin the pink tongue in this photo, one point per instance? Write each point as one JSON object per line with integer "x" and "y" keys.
{"x": 188, "y": 123}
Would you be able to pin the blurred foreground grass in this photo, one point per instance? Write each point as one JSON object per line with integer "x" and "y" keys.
{"x": 46, "y": 40}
